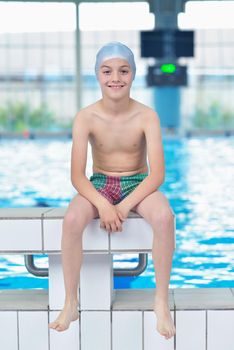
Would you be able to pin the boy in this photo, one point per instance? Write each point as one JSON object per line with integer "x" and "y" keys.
{"x": 122, "y": 133}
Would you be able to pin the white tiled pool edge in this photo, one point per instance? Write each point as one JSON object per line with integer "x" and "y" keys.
{"x": 204, "y": 318}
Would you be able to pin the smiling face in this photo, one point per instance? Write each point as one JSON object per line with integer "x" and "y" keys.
{"x": 115, "y": 77}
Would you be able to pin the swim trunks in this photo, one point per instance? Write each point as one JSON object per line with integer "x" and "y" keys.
{"x": 116, "y": 188}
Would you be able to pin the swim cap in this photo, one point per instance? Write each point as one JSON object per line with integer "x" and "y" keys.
{"x": 115, "y": 49}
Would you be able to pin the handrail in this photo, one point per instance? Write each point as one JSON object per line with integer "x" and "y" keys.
{"x": 33, "y": 269}
{"x": 44, "y": 272}
{"x": 135, "y": 271}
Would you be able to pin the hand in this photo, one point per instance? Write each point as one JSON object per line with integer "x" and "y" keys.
{"x": 122, "y": 210}
{"x": 109, "y": 218}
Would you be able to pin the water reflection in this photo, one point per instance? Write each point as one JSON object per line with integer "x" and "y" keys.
{"x": 198, "y": 184}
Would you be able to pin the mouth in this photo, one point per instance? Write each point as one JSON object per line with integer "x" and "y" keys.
{"x": 115, "y": 86}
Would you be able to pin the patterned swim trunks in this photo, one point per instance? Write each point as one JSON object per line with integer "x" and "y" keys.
{"x": 116, "y": 188}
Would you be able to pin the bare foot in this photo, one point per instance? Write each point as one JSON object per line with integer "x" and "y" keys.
{"x": 165, "y": 324}
{"x": 66, "y": 316}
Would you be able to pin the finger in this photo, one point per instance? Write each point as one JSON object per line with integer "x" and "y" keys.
{"x": 118, "y": 225}
{"x": 113, "y": 227}
{"x": 120, "y": 215}
{"x": 108, "y": 227}
{"x": 102, "y": 225}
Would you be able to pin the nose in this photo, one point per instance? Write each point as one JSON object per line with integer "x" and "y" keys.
{"x": 115, "y": 76}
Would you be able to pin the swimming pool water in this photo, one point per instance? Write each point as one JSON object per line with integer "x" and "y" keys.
{"x": 198, "y": 184}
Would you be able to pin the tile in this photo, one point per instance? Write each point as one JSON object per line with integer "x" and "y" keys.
{"x": 56, "y": 282}
{"x": 137, "y": 299}
{"x": 52, "y": 234}
{"x": 95, "y": 330}
{"x": 64, "y": 340}
{"x": 133, "y": 214}
{"x": 203, "y": 298}
{"x": 23, "y": 299}
{"x": 191, "y": 330}
{"x": 137, "y": 234}
{"x": 55, "y": 213}
{"x": 8, "y": 327}
{"x": 20, "y": 235}
{"x": 95, "y": 238}
{"x": 22, "y": 213}
{"x": 220, "y": 329}
{"x": 152, "y": 339}
{"x": 96, "y": 282}
{"x": 35, "y": 324}
{"x": 60, "y": 212}
{"x": 126, "y": 330}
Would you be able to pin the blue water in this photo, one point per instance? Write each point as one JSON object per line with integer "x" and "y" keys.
{"x": 198, "y": 184}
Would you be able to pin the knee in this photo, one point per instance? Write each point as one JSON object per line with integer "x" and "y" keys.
{"x": 163, "y": 218}
{"x": 73, "y": 224}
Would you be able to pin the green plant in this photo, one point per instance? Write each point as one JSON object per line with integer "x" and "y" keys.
{"x": 19, "y": 116}
{"x": 215, "y": 117}
{"x": 3, "y": 118}
{"x": 41, "y": 118}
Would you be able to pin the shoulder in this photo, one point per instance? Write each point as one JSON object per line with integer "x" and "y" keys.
{"x": 84, "y": 116}
{"x": 148, "y": 115}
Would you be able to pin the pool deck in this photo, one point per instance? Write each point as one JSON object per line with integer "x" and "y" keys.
{"x": 109, "y": 319}
{"x": 204, "y": 320}
{"x": 130, "y": 299}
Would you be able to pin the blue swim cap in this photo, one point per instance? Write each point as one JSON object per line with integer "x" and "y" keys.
{"x": 115, "y": 49}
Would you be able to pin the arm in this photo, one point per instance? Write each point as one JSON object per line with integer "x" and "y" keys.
{"x": 80, "y": 134}
{"x": 156, "y": 163}
{"x": 109, "y": 219}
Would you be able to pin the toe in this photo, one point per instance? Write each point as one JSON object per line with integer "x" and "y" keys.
{"x": 164, "y": 334}
{"x": 52, "y": 325}
{"x": 171, "y": 333}
{"x": 61, "y": 328}
{"x": 58, "y": 326}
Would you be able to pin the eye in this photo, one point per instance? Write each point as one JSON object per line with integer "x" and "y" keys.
{"x": 106, "y": 72}
{"x": 124, "y": 71}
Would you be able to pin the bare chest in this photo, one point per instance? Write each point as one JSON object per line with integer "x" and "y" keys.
{"x": 127, "y": 137}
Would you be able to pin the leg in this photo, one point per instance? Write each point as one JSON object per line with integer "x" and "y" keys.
{"x": 156, "y": 210}
{"x": 79, "y": 213}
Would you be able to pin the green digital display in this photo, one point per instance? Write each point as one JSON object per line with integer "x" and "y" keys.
{"x": 168, "y": 68}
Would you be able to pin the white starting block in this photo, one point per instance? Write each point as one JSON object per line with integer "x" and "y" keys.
{"x": 109, "y": 320}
